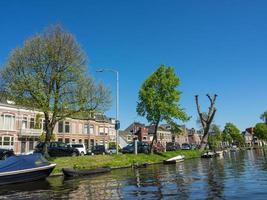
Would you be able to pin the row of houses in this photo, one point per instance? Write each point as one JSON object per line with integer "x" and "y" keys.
{"x": 165, "y": 134}
{"x": 251, "y": 139}
{"x": 19, "y": 129}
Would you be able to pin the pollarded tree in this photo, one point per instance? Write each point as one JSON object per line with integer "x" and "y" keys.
{"x": 159, "y": 98}
{"x": 206, "y": 119}
{"x": 49, "y": 73}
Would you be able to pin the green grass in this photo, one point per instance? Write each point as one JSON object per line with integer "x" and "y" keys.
{"x": 114, "y": 161}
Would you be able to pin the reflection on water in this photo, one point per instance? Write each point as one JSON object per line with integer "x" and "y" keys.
{"x": 239, "y": 175}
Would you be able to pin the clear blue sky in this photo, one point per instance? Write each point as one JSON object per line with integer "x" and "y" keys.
{"x": 215, "y": 46}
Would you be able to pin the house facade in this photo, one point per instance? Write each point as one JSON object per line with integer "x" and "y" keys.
{"x": 20, "y": 129}
{"x": 164, "y": 134}
{"x": 137, "y": 130}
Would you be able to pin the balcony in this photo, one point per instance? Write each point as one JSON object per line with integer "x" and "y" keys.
{"x": 30, "y": 132}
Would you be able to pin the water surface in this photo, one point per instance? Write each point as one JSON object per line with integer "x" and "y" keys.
{"x": 239, "y": 175}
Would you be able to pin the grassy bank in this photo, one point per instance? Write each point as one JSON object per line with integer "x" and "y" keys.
{"x": 113, "y": 161}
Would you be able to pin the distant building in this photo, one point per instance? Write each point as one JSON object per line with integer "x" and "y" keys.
{"x": 194, "y": 137}
{"x": 248, "y": 136}
{"x": 251, "y": 139}
{"x": 137, "y": 130}
{"x": 164, "y": 133}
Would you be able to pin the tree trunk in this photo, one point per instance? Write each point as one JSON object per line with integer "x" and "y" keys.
{"x": 154, "y": 138}
{"x": 206, "y": 122}
{"x": 204, "y": 141}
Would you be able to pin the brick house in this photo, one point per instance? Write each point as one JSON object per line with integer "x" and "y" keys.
{"x": 138, "y": 130}
{"x": 20, "y": 131}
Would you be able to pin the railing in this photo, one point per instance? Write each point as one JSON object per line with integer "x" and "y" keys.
{"x": 30, "y": 132}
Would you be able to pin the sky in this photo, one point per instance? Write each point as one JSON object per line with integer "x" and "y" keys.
{"x": 215, "y": 47}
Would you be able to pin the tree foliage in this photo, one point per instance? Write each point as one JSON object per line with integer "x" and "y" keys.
{"x": 264, "y": 117}
{"x": 215, "y": 138}
{"x": 49, "y": 73}
{"x": 159, "y": 98}
{"x": 232, "y": 134}
{"x": 260, "y": 131}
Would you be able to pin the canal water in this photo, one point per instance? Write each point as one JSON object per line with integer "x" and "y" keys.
{"x": 239, "y": 175}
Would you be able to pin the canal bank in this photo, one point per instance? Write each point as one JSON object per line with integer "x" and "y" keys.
{"x": 238, "y": 175}
{"x": 117, "y": 161}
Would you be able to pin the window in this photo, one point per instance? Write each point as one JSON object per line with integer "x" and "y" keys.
{"x": 7, "y": 122}
{"x": 24, "y": 123}
{"x": 77, "y": 145}
{"x": 67, "y": 127}
{"x": 86, "y": 129}
{"x": 31, "y": 145}
{"x": 101, "y": 130}
{"x": 106, "y": 131}
{"x": 7, "y": 142}
{"x": 80, "y": 141}
{"x": 73, "y": 141}
{"x": 91, "y": 129}
{"x": 60, "y": 127}
{"x": 32, "y": 123}
{"x": 60, "y": 140}
{"x": 67, "y": 140}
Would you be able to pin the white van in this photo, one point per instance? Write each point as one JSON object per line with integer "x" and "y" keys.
{"x": 80, "y": 147}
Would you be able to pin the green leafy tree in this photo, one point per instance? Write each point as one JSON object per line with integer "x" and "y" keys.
{"x": 232, "y": 134}
{"x": 159, "y": 98}
{"x": 215, "y": 138}
{"x": 260, "y": 131}
{"x": 264, "y": 117}
{"x": 49, "y": 73}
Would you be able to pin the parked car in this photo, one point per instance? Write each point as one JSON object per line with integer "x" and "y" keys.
{"x": 57, "y": 149}
{"x": 186, "y": 146}
{"x": 111, "y": 150}
{"x": 172, "y": 146}
{"x": 142, "y": 147}
{"x": 5, "y": 153}
{"x": 80, "y": 147}
{"x": 99, "y": 149}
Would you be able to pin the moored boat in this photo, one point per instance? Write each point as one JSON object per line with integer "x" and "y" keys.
{"x": 69, "y": 172}
{"x": 209, "y": 155}
{"x": 24, "y": 168}
{"x": 174, "y": 160}
{"x": 137, "y": 165}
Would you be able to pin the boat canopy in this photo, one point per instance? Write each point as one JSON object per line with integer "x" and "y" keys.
{"x": 22, "y": 162}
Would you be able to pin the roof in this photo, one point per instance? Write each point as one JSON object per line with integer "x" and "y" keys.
{"x": 133, "y": 126}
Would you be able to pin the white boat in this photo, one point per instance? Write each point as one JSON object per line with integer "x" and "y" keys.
{"x": 175, "y": 159}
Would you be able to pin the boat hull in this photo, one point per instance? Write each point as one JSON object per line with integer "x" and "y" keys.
{"x": 74, "y": 173}
{"x": 26, "y": 175}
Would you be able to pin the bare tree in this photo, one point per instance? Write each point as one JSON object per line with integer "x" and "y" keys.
{"x": 206, "y": 119}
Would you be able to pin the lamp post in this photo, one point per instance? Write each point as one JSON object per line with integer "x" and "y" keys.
{"x": 117, "y": 104}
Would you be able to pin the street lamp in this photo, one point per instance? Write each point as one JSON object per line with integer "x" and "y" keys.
{"x": 117, "y": 104}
